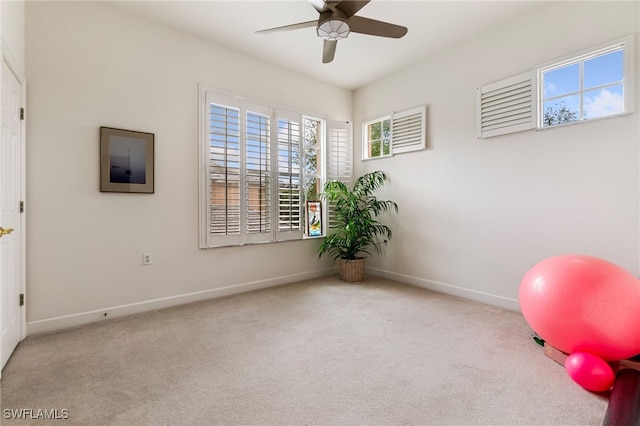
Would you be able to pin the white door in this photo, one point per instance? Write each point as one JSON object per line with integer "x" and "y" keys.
{"x": 10, "y": 208}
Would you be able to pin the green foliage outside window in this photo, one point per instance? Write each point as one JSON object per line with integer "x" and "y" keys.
{"x": 311, "y": 190}
{"x": 559, "y": 113}
{"x": 378, "y": 138}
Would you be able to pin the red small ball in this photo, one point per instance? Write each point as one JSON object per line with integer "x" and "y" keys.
{"x": 589, "y": 371}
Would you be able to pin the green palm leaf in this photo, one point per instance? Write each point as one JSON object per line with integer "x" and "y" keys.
{"x": 356, "y": 211}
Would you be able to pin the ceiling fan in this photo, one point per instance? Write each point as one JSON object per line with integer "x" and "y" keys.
{"x": 337, "y": 19}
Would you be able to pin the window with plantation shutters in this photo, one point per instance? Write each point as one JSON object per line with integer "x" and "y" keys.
{"x": 506, "y": 106}
{"x": 257, "y": 176}
{"x": 586, "y": 86}
{"x": 289, "y": 175}
{"x": 259, "y": 166}
{"x": 339, "y": 151}
{"x": 394, "y": 133}
{"x": 339, "y": 155}
{"x": 223, "y": 169}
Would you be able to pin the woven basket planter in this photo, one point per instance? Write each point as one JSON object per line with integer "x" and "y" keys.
{"x": 352, "y": 270}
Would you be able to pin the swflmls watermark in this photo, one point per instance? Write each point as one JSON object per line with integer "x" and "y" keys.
{"x": 35, "y": 413}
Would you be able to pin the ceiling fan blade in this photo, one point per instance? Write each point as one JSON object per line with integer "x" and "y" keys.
{"x": 351, "y": 7}
{"x": 328, "y": 50}
{"x": 319, "y": 5}
{"x": 369, "y": 26}
{"x": 297, "y": 26}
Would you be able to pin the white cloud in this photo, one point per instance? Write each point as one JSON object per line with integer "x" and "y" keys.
{"x": 549, "y": 89}
{"x": 605, "y": 103}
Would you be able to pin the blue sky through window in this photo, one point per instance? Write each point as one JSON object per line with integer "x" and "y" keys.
{"x": 604, "y": 69}
{"x": 596, "y": 83}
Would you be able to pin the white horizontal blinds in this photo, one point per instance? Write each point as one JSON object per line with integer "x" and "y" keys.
{"x": 408, "y": 130}
{"x": 507, "y": 106}
{"x": 253, "y": 162}
{"x": 257, "y": 176}
{"x": 289, "y": 177}
{"x": 339, "y": 151}
{"x": 339, "y": 158}
{"x": 224, "y": 169}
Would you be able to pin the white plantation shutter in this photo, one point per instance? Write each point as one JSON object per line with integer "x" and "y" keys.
{"x": 257, "y": 174}
{"x": 223, "y": 169}
{"x": 289, "y": 175}
{"x": 339, "y": 151}
{"x": 339, "y": 158}
{"x": 408, "y": 130}
{"x": 507, "y": 106}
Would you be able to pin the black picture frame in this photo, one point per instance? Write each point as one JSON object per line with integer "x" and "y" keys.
{"x": 126, "y": 161}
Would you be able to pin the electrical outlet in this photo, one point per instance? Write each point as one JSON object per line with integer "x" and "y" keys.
{"x": 146, "y": 259}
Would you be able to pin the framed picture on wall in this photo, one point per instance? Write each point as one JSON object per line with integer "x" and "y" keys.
{"x": 314, "y": 218}
{"x": 126, "y": 161}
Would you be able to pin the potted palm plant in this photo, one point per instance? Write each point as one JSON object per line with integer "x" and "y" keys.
{"x": 355, "y": 212}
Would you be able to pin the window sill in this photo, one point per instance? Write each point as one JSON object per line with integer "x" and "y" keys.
{"x": 590, "y": 120}
{"x": 304, "y": 238}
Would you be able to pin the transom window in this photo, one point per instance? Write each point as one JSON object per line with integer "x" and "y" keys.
{"x": 377, "y": 137}
{"x": 394, "y": 133}
{"x": 597, "y": 83}
{"x": 583, "y": 88}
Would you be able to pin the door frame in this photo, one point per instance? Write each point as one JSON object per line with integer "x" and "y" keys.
{"x": 5, "y": 56}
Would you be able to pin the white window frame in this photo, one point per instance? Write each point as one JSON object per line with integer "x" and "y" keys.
{"x": 626, "y": 44}
{"x": 515, "y": 104}
{"x": 366, "y": 142}
{"x": 335, "y": 162}
{"x": 406, "y": 132}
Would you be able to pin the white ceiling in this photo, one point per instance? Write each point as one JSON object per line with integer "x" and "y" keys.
{"x": 360, "y": 59}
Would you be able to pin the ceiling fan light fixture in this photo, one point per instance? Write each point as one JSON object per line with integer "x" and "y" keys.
{"x": 333, "y": 29}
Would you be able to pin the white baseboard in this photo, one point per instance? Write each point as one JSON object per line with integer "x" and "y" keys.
{"x": 82, "y": 318}
{"x": 465, "y": 293}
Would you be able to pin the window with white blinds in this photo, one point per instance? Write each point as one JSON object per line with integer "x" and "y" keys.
{"x": 289, "y": 176}
{"x": 339, "y": 155}
{"x": 582, "y": 87}
{"x": 339, "y": 152}
{"x": 223, "y": 169}
{"x": 258, "y": 174}
{"x": 259, "y": 166}
{"x": 394, "y": 133}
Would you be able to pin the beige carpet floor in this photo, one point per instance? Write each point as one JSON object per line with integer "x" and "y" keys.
{"x": 320, "y": 352}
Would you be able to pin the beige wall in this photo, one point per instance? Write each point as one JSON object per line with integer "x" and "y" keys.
{"x": 475, "y": 215}
{"x": 91, "y": 65}
{"x": 12, "y": 29}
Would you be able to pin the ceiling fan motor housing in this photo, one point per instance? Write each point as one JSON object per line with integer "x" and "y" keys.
{"x": 333, "y": 25}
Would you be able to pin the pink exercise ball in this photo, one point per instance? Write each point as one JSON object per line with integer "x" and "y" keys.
{"x": 582, "y": 303}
